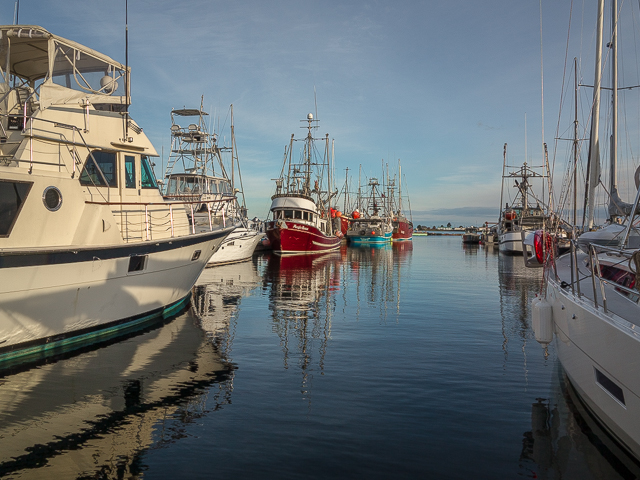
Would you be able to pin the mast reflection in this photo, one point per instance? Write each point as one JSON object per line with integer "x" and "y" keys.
{"x": 302, "y": 302}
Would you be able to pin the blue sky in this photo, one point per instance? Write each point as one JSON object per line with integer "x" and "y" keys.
{"x": 439, "y": 85}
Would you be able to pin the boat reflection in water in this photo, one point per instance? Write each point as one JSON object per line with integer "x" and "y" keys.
{"x": 303, "y": 295}
{"x": 566, "y": 442}
{"x": 302, "y": 303}
{"x": 375, "y": 277}
{"x": 94, "y": 415}
{"x": 518, "y": 286}
{"x": 216, "y": 299}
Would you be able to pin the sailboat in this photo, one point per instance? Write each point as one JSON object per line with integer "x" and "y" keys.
{"x": 300, "y": 220}
{"x": 89, "y": 249}
{"x": 591, "y": 300}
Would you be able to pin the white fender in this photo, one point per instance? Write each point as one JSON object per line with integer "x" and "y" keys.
{"x": 542, "y": 320}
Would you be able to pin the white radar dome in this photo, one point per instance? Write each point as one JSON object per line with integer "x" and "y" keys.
{"x": 108, "y": 84}
{"x": 310, "y": 116}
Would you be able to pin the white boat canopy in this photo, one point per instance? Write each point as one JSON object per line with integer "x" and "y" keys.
{"x": 58, "y": 70}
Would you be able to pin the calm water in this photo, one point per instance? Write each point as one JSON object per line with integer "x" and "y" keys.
{"x": 406, "y": 361}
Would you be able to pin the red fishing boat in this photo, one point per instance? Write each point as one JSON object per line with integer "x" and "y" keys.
{"x": 301, "y": 221}
{"x": 402, "y": 226}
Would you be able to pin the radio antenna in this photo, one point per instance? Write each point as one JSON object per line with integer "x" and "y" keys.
{"x": 126, "y": 68}
{"x": 315, "y": 101}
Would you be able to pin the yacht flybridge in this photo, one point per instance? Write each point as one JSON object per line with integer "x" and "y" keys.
{"x": 88, "y": 246}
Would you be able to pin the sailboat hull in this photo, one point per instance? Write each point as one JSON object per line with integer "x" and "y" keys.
{"x": 600, "y": 353}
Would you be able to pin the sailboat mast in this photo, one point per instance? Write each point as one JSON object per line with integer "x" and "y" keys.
{"x": 594, "y": 146}
{"x": 613, "y": 180}
{"x": 575, "y": 144}
{"x": 233, "y": 152}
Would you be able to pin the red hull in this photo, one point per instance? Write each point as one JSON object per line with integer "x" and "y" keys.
{"x": 300, "y": 238}
{"x": 402, "y": 231}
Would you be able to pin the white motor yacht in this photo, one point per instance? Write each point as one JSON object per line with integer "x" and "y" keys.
{"x": 88, "y": 246}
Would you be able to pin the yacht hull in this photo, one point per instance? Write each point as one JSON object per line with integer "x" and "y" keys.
{"x": 59, "y": 299}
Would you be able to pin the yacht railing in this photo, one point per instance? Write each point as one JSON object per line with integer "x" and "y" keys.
{"x": 595, "y": 273}
{"x": 72, "y": 145}
{"x": 155, "y": 220}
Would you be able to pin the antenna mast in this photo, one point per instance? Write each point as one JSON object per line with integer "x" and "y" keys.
{"x": 126, "y": 67}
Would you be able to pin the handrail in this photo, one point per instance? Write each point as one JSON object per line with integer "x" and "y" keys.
{"x": 134, "y": 227}
{"x": 161, "y": 203}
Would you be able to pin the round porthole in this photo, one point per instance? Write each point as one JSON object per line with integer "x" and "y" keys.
{"x": 52, "y": 198}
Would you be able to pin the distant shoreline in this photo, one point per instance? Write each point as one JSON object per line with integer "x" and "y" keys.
{"x": 430, "y": 233}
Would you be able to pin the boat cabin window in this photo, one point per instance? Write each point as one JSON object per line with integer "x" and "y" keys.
{"x": 305, "y": 215}
{"x": 298, "y": 214}
{"x": 130, "y": 171}
{"x": 225, "y": 187}
{"x": 12, "y": 197}
{"x": 99, "y": 167}
{"x": 146, "y": 173}
{"x": 288, "y": 213}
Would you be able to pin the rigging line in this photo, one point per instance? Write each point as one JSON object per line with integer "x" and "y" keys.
{"x": 564, "y": 73}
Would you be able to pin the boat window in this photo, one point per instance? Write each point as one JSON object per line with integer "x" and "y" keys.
{"x": 305, "y": 215}
{"x": 172, "y": 186}
{"x": 12, "y": 197}
{"x": 146, "y": 173}
{"x": 311, "y": 217}
{"x": 137, "y": 263}
{"x": 129, "y": 171}
{"x": 214, "y": 187}
{"x": 225, "y": 187}
{"x": 298, "y": 214}
{"x": 98, "y": 167}
{"x": 288, "y": 213}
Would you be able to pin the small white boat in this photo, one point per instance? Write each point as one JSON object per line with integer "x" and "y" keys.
{"x": 89, "y": 249}
{"x": 239, "y": 246}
